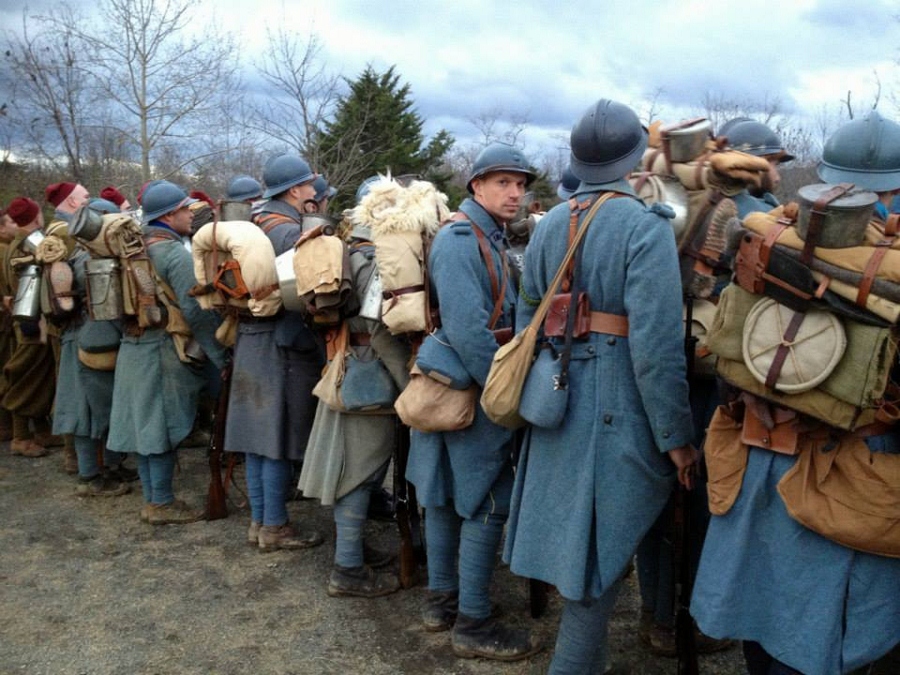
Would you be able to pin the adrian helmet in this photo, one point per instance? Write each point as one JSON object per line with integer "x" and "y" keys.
{"x": 607, "y": 142}
{"x": 242, "y": 188}
{"x": 865, "y": 152}
{"x": 500, "y": 157}
{"x": 284, "y": 172}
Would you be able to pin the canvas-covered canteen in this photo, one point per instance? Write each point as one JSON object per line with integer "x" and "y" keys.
{"x": 234, "y": 264}
{"x": 402, "y": 220}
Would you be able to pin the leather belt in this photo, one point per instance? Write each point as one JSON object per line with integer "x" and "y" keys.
{"x": 611, "y": 324}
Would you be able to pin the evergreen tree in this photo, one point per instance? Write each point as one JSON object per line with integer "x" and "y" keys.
{"x": 375, "y": 129}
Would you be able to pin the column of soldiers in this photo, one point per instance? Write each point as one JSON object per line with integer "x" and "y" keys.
{"x": 575, "y": 503}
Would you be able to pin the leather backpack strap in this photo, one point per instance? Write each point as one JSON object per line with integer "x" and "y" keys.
{"x": 781, "y": 353}
{"x": 269, "y": 221}
{"x": 872, "y": 267}
{"x": 498, "y": 287}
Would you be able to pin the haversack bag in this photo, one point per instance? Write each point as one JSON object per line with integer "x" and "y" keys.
{"x": 428, "y": 405}
{"x": 502, "y": 392}
{"x": 367, "y": 386}
{"x": 848, "y": 494}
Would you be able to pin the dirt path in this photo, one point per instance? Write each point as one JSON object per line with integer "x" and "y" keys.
{"x": 86, "y": 588}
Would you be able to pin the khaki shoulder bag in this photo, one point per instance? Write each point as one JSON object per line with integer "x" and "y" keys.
{"x": 509, "y": 369}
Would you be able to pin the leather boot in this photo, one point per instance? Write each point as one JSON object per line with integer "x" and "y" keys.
{"x": 27, "y": 448}
{"x": 361, "y": 582}
{"x": 490, "y": 639}
{"x": 275, "y": 537}
{"x": 439, "y": 613}
{"x": 70, "y": 460}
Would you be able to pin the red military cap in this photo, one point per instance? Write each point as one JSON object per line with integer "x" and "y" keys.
{"x": 23, "y": 210}
{"x": 57, "y": 192}
{"x": 110, "y": 193}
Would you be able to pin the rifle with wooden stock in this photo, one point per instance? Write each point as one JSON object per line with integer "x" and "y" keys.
{"x": 406, "y": 511}
{"x": 216, "y": 507}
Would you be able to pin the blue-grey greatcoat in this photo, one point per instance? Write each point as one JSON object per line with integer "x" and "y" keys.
{"x": 462, "y": 466}
{"x": 811, "y": 603}
{"x": 83, "y": 395}
{"x": 155, "y": 394}
{"x": 346, "y": 450}
{"x": 586, "y": 492}
{"x": 277, "y": 362}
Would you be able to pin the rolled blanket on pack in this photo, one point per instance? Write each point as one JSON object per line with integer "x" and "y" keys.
{"x": 322, "y": 271}
{"x": 882, "y": 288}
{"x": 814, "y": 402}
{"x": 858, "y": 380}
{"x": 882, "y": 307}
{"x": 853, "y": 258}
{"x": 401, "y": 221}
{"x": 120, "y": 236}
{"x": 250, "y": 247}
{"x": 692, "y": 175}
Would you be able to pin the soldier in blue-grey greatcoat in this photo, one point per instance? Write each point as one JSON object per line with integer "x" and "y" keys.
{"x": 464, "y": 478}
{"x": 802, "y": 603}
{"x": 586, "y": 492}
{"x": 155, "y": 393}
{"x": 84, "y": 394}
{"x": 277, "y": 362}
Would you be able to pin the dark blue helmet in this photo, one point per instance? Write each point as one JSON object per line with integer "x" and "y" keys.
{"x": 754, "y": 138}
{"x": 242, "y": 188}
{"x": 162, "y": 198}
{"x": 500, "y": 157}
{"x": 323, "y": 189}
{"x": 607, "y": 142}
{"x": 865, "y": 152}
{"x": 284, "y": 172}
{"x": 567, "y": 184}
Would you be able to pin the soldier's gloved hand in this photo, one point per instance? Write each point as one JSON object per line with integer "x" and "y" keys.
{"x": 30, "y": 329}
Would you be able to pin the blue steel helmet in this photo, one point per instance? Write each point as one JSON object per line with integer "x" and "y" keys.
{"x": 323, "y": 189}
{"x": 102, "y": 206}
{"x": 865, "y": 152}
{"x": 242, "y": 188}
{"x": 284, "y": 172}
{"x": 729, "y": 125}
{"x": 162, "y": 198}
{"x": 754, "y": 138}
{"x": 607, "y": 142}
{"x": 568, "y": 183}
{"x": 500, "y": 157}
{"x": 364, "y": 187}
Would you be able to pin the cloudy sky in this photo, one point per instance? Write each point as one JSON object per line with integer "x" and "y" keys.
{"x": 526, "y": 60}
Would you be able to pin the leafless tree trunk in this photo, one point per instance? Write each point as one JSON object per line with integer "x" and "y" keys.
{"x": 168, "y": 89}
{"x": 303, "y": 92}
{"x": 51, "y": 90}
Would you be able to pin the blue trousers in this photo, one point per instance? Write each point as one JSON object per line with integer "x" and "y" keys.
{"x": 581, "y": 643}
{"x": 156, "y": 472}
{"x": 86, "y": 451}
{"x": 350, "y": 519}
{"x": 462, "y": 552}
{"x": 268, "y": 483}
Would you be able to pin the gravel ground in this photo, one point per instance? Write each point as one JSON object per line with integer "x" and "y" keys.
{"x": 86, "y": 588}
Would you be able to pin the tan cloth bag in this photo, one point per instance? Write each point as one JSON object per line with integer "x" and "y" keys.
{"x": 509, "y": 369}
{"x": 849, "y": 495}
{"x": 726, "y": 461}
{"x": 428, "y": 405}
